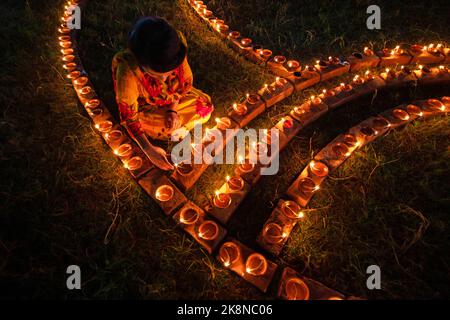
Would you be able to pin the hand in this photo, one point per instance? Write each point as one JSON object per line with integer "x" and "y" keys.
{"x": 158, "y": 157}
{"x": 171, "y": 120}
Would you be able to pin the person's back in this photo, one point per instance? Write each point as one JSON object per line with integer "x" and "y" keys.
{"x": 154, "y": 86}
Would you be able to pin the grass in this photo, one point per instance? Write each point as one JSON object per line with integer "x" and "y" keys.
{"x": 66, "y": 200}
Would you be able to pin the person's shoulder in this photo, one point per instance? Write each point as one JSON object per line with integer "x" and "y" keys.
{"x": 125, "y": 57}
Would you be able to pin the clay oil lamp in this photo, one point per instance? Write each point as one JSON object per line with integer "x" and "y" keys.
{"x": 81, "y": 81}
{"x": 207, "y": 13}
{"x": 357, "y": 80}
{"x": 443, "y": 69}
{"x": 234, "y": 35}
{"x": 279, "y": 82}
{"x": 235, "y": 183}
{"x": 134, "y": 163}
{"x": 341, "y": 150}
{"x": 64, "y": 38}
{"x": 64, "y": 30}
{"x": 417, "y": 48}
{"x": 307, "y": 186}
{"x": 229, "y": 253}
{"x": 184, "y": 169}
{"x": 327, "y": 93}
{"x": 67, "y": 51}
{"x": 334, "y": 60}
{"x": 240, "y": 108}
{"x": 279, "y": 59}
{"x": 273, "y": 233}
{"x": 208, "y": 230}
{"x": 380, "y": 124}
{"x": 246, "y": 166}
{"x": 315, "y": 101}
{"x": 252, "y": 98}
{"x": 368, "y": 76}
{"x": 223, "y": 28}
{"x": 221, "y": 200}
{"x": 368, "y": 131}
{"x": 85, "y": 91}
{"x": 292, "y": 210}
{"x": 246, "y": 42}
{"x": 400, "y": 114}
{"x": 318, "y": 169}
{"x": 73, "y": 75}
{"x": 68, "y": 58}
{"x": 104, "y": 126}
{"x": 414, "y": 110}
{"x": 65, "y": 44}
{"x": 189, "y": 216}
{"x": 113, "y": 135}
{"x": 70, "y": 66}
{"x": 265, "y": 53}
{"x": 95, "y": 112}
{"x": 446, "y": 101}
{"x": 296, "y": 289}
{"x": 256, "y": 264}
{"x": 435, "y": 105}
{"x": 322, "y": 64}
{"x": 293, "y": 65}
{"x": 124, "y": 150}
{"x": 223, "y": 123}
{"x": 351, "y": 140}
{"x": 345, "y": 87}
{"x": 164, "y": 193}
{"x": 92, "y": 104}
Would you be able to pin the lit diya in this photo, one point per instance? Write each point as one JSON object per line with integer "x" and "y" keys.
{"x": 265, "y": 53}
{"x": 414, "y": 110}
{"x": 70, "y": 66}
{"x": 345, "y": 87}
{"x": 240, "y": 108}
{"x": 68, "y": 58}
{"x": 358, "y": 80}
{"x": 67, "y": 51}
{"x": 222, "y": 200}
{"x": 235, "y": 183}
{"x": 368, "y": 131}
{"x": 81, "y": 81}
{"x": 380, "y": 124}
{"x": 293, "y": 65}
{"x": 292, "y": 210}
{"x": 350, "y": 140}
{"x": 223, "y": 28}
{"x": 164, "y": 193}
{"x": 256, "y": 264}
{"x": 65, "y": 44}
{"x": 246, "y": 42}
{"x": 253, "y": 98}
{"x": 273, "y": 233}
{"x": 73, "y": 75}
{"x": 296, "y": 289}
{"x": 184, "y": 169}
{"x": 223, "y": 123}
{"x": 114, "y": 135}
{"x": 64, "y": 38}
{"x": 319, "y": 169}
{"x": 189, "y": 216}
{"x": 246, "y": 166}
{"x": 341, "y": 150}
{"x": 315, "y": 101}
{"x": 368, "y": 52}
{"x": 279, "y": 59}
{"x": 234, "y": 34}
{"x": 400, "y": 114}
{"x": 208, "y": 230}
{"x": 229, "y": 253}
{"x": 307, "y": 186}
{"x": 124, "y": 150}
{"x": 86, "y": 90}
{"x": 95, "y": 112}
{"x": 104, "y": 126}
{"x": 93, "y": 103}
{"x": 134, "y": 164}
{"x": 435, "y": 105}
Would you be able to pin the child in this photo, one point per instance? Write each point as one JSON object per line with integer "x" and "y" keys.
{"x": 153, "y": 85}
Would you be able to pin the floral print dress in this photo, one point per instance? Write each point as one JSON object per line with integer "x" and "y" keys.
{"x": 143, "y": 96}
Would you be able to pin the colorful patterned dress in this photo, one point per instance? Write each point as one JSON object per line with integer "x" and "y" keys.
{"x": 143, "y": 96}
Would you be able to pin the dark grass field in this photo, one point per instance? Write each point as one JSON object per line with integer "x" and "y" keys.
{"x": 66, "y": 200}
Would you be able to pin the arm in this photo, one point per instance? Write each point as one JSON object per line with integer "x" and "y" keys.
{"x": 127, "y": 94}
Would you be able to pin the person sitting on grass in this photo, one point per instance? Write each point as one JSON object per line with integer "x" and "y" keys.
{"x": 153, "y": 87}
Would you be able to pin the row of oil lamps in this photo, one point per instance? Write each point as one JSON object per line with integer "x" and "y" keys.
{"x": 255, "y": 263}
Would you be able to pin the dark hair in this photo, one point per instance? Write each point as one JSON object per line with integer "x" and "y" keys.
{"x": 156, "y": 44}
